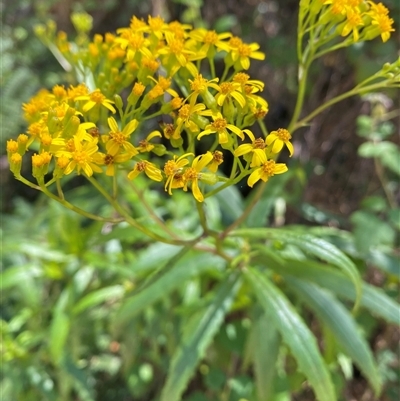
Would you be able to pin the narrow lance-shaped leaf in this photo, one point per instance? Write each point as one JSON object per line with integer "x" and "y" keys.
{"x": 373, "y": 299}
{"x": 295, "y": 334}
{"x": 196, "y": 337}
{"x": 316, "y": 246}
{"x": 336, "y": 317}
{"x": 265, "y": 341}
{"x": 162, "y": 283}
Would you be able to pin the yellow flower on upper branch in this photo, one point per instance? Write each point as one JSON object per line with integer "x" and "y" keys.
{"x": 145, "y": 145}
{"x": 381, "y": 22}
{"x": 229, "y": 90}
{"x": 266, "y": 170}
{"x": 185, "y": 115}
{"x": 220, "y": 126}
{"x": 256, "y": 148}
{"x": 83, "y": 156}
{"x": 153, "y": 172}
{"x": 242, "y": 53}
{"x": 117, "y": 139}
{"x": 210, "y": 40}
{"x": 353, "y": 22}
{"x": 111, "y": 161}
{"x": 278, "y": 139}
{"x": 218, "y": 158}
{"x": 96, "y": 98}
{"x": 173, "y": 169}
{"x": 193, "y": 174}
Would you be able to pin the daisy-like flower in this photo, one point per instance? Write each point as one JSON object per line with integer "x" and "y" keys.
{"x": 383, "y": 24}
{"x": 83, "y": 156}
{"x": 116, "y": 139}
{"x": 176, "y": 50}
{"x": 210, "y": 40}
{"x": 278, "y": 139}
{"x": 96, "y": 98}
{"x": 267, "y": 169}
{"x": 354, "y": 21}
{"x": 185, "y": 115}
{"x": 193, "y": 174}
{"x": 243, "y": 52}
{"x": 145, "y": 145}
{"x": 199, "y": 86}
{"x": 244, "y": 79}
{"x": 256, "y": 149}
{"x": 218, "y": 158}
{"x": 111, "y": 161}
{"x": 228, "y": 90}
{"x": 149, "y": 169}
{"x": 173, "y": 169}
{"x": 220, "y": 126}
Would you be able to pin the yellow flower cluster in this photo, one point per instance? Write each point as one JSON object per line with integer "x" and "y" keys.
{"x": 363, "y": 19}
{"x": 88, "y": 128}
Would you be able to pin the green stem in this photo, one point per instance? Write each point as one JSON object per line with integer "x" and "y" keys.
{"x": 318, "y": 110}
{"x": 77, "y": 209}
{"x": 130, "y": 220}
{"x": 202, "y": 217}
{"x": 246, "y": 212}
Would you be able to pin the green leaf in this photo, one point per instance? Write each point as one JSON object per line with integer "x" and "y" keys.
{"x": 295, "y": 334}
{"x": 231, "y": 203}
{"x": 97, "y": 297}
{"x": 265, "y": 342}
{"x": 336, "y": 317}
{"x": 318, "y": 247}
{"x": 15, "y": 275}
{"x": 167, "y": 279}
{"x": 196, "y": 338}
{"x": 59, "y": 328}
{"x": 370, "y": 231}
{"x": 373, "y": 298}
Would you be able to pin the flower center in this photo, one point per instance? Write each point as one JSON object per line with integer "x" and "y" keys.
{"x": 97, "y": 97}
{"x": 199, "y": 84}
{"x": 259, "y": 144}
{"x": 190, "y": 174}
{"x": 170, "y": 167}
{"x": 241, "y": 78}
{"x": 244, "y": 50}
{"x": 227, "y": 87}
{"x": 141, "y": 166}
{"x": 269, "y": 168}
{"x": 184, "y": 112}
{"x": 283, "y": 135}
{"x": 81, "y": 157}
{"x": 108, "y": 159}
{"x": 118, "y": 137}
{"x": 219, "y": 124}
{"x": 211, "y": 37}
{"x": 176, "y": 46}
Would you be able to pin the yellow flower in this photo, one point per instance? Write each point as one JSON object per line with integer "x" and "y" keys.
{"x": 221, "y": 126}
{"x": 199, "y": 86}
{"x": 96, "y": 98}
{"x": 256, "y": 148}
{"x": 384, "y": 25}
{"x": 193, "y": 174}
{"x": 218, "y": 158}
{"x": 117, "y": 139}
{"x": 278, "y": 139}
{"x": 210, "y": 40}
{"x": 145, "y": 145}
{"x": 242, "y": 54}
{"x": 83, "y": 156}
{"x": 354, "y": 20}
{"x": 111, "y": 161}
{"x": 268, "y": 169}
{"x": 185, "y": 115}
{"x": 227, "y": 90}
{"x": 173, "y": 169}
{"x": 150, "y": 170}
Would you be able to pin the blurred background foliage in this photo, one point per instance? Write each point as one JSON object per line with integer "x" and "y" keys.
{"x": 63, "y": 278}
